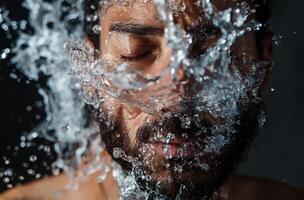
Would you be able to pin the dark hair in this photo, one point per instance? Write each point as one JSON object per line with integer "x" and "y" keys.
{"x": 92, "y": 8}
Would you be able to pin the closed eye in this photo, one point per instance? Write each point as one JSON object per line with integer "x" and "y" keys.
{"x": 138, "y": 57}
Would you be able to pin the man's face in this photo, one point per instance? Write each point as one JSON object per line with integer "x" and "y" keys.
{"x": 184, "y": 133}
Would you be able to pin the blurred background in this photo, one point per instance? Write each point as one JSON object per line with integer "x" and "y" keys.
{"x": 278, "y": 152}
{"x": 279, "y": 149}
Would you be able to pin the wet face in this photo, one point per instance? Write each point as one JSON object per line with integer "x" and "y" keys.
{"x": 183, "y": 134}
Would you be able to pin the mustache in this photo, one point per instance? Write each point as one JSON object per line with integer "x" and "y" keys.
{"x": 188, "y": 127}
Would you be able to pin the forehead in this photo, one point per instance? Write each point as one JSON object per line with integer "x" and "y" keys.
{"x": 145, "y": 11}
{"x": 140, "y": 11}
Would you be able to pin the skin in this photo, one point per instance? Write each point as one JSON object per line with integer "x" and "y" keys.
{"x": 120, "y": 44}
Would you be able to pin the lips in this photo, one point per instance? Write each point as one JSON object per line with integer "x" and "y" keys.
{"x": 168, "y": 138}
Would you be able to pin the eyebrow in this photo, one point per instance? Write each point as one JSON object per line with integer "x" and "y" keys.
{"x": 137, "y": 29}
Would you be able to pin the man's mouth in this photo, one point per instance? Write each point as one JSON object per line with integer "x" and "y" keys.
{"x": 174, "y": 150}
{"x": 175, "y": 147}
{"x": 171, "y": 140}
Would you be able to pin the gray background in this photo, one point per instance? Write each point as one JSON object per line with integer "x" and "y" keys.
{"x": 279, "y": 149}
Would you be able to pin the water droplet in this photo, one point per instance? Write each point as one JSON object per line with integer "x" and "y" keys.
{"x": 6, "y": 180}
{"x": 96, "y": 29}
{"x": 7, "y": 162}
{"x": 33, "y": 158}
{"x": 30, "y": 171}
{"x": 28, "y": 108}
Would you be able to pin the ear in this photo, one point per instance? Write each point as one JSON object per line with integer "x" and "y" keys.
{"x": 266, "y": 45}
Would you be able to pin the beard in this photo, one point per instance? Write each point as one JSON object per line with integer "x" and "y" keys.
{"x": 217, "y": 146}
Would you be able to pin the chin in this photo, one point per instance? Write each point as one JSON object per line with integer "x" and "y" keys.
{"x": 181, "y": 180}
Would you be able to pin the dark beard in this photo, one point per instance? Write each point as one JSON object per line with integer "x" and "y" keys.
{"x": 192, "y": 182}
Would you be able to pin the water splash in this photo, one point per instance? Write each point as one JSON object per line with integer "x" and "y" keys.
{"x": 41, "y": 54}
{"x": 57, "y": 27}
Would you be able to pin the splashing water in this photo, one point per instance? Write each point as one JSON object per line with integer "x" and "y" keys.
{"x": 41, "y": 54}
{"x": 95, "y": 73}
{"x": 57, "y": 27}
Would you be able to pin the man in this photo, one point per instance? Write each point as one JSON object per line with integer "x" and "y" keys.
{"x": 178, "y": 133}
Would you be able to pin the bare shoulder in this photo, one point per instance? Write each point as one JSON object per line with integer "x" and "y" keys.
{"x": 54, "y": 188}
{"x": 252, "y": 188}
